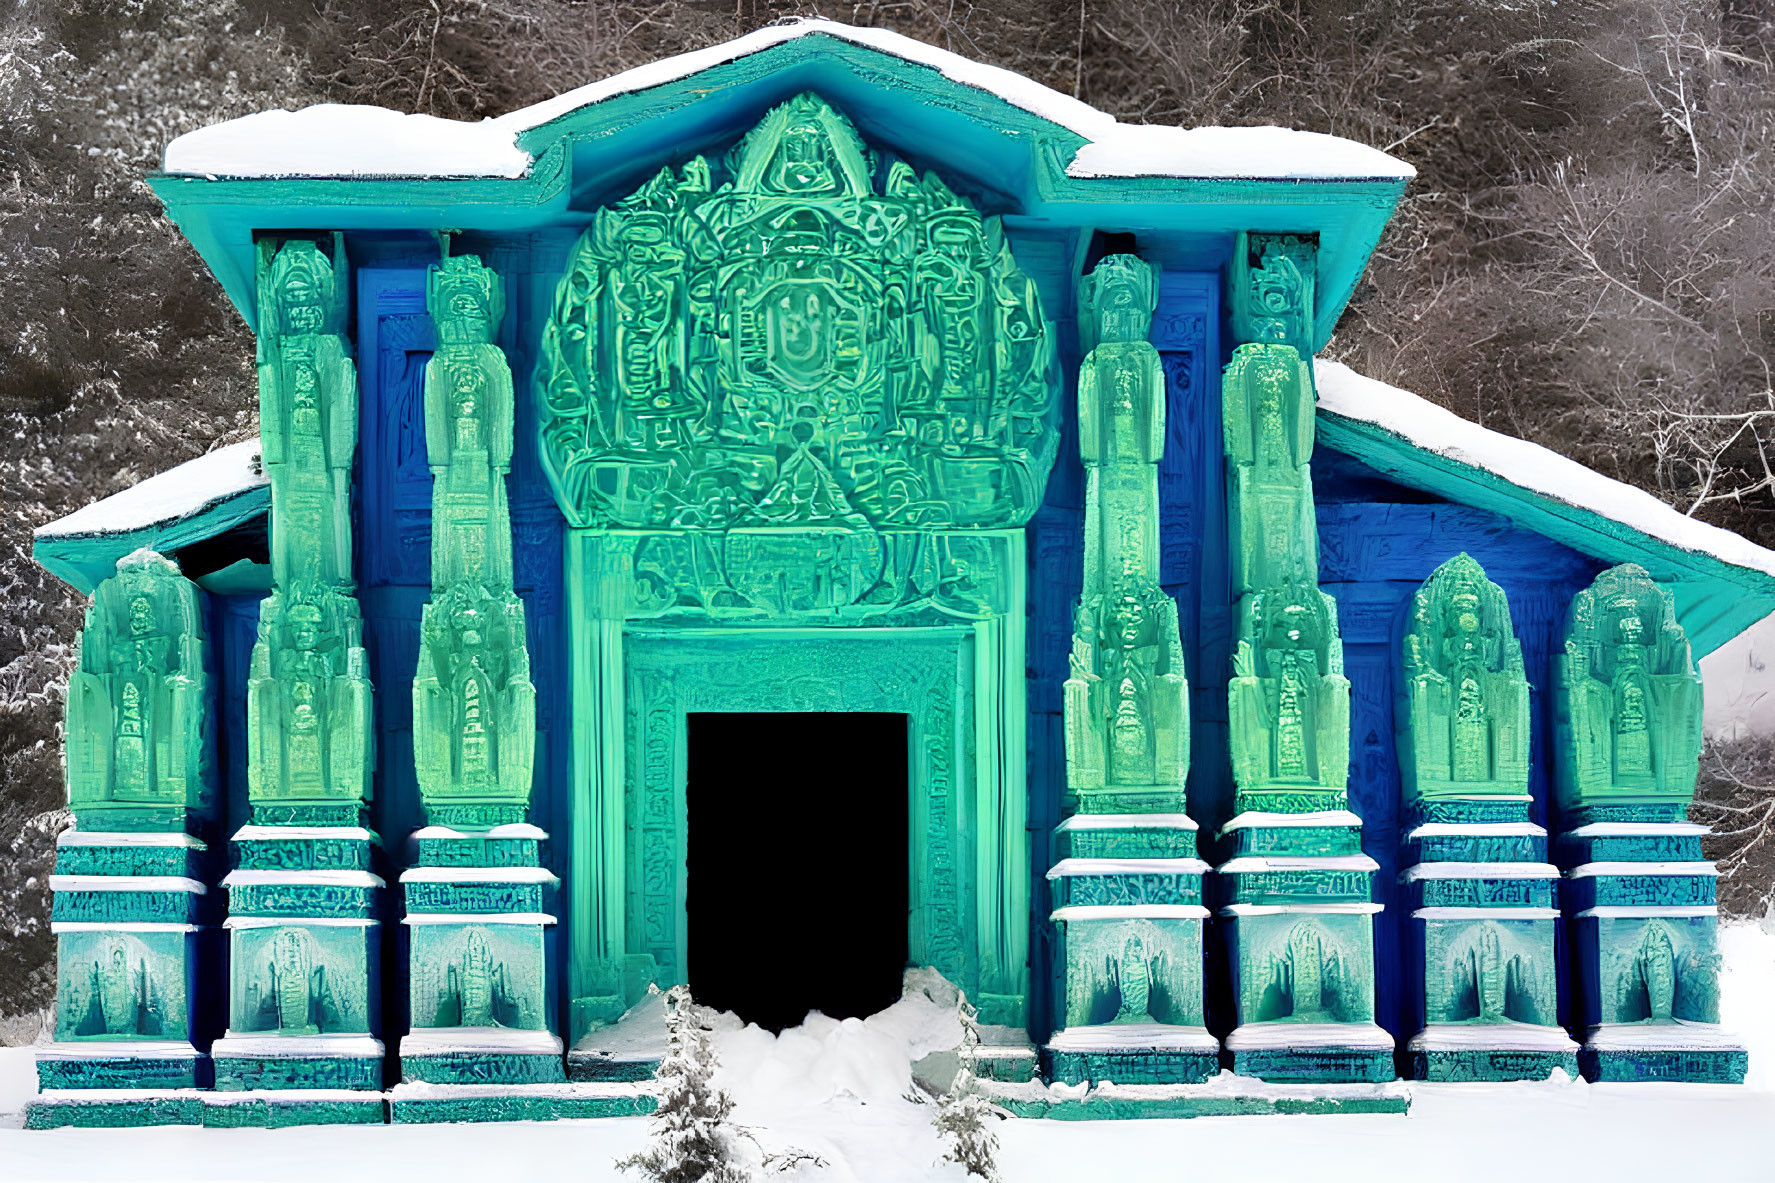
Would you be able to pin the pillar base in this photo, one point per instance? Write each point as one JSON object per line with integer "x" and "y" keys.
{"x": 1694, "y": 1052}
{"x": 1322, "y": 1053}
{"x": 56, "y": 1109}
{"x": 425, "y": 1103}
{"x": 280, "y": 1063}
{"x": 480, "y": 1055}
{"x": 1132, "y": 1053}
{"x": 122, "y": 1064}
{"x": 1491, "y": 1051}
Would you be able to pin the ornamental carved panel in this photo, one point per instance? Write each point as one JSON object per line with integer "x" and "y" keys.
{"x": 798, "y": 332}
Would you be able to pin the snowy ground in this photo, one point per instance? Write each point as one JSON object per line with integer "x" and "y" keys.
{"x": 842, "y": 1091}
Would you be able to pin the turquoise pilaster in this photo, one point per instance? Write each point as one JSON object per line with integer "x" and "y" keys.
{"x": 1638, "y": 892}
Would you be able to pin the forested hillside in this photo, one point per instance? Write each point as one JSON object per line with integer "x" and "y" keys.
{"x": 1587, "y": 258}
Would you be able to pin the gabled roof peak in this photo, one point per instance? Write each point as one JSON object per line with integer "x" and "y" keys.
{"x": 333, "y": 140}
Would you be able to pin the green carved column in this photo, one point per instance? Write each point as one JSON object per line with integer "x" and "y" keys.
{"x": 304, "y": 933}
{"x": 1297, "y": 890}
{"x": 1639, "y": 892}
{"x": 1485, "y": 980}
{"x": 1128, "y": 886}
{"x": 478, "y": 900}
{"x": 130, "y": 901}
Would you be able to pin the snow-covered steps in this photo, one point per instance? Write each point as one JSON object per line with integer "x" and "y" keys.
{"x": 627, "y": 1050}
{"x": 1281, "y": 1051}
{"x": 113, "y": 1108}
{"x": 1676, "y": 1050}
{"x": 1223, "y": 1096}
{"x": 281, "y": 1108}
{"x": 415, "y": 1103}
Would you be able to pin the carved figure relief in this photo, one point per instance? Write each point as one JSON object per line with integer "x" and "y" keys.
{"x": 1663, "y": 980}
{"x": 307, "y": 411}
{"x": 1267, "y": 416}
{"x": 474, "y": 707}
{"x": 138, "y": 705}
{"x": 119, "y": 999}
{"x": 1127, "y": 712}
{"x": 1273, "y": 289}
{"x": 1289, "y": 699}
{"x": 309, "y": 737}
{"x": 309, "y": 723}
{"x": 1492, "y": 983}
{"x": 292, "y": 991}
{"x": 1463, "y": 709}
{"x": 798, "y": 333}
{"x": 1132, "y": 972}
{"x": 476, "y": 991}
{"x": 1627, "y": 697}
{"x": 1306, "y": 980}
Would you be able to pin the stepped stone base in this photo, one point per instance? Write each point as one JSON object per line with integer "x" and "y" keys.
{"x": 429, "y": 1103}
{"x": 1695, "y": 1052}
{"x": 1226, "y": 1095}
{"x": 280, "y": 1108}
{"x": 113, "y": 1108}
{"x": 1131, "y": 1053}
{"x": 278, "y": 1063}
{"x": 1491, "y": 1051}
{"x": 481, "y": 1055}
{"x": 1316, "y": 1053}
{"x": 119, "y": 1064}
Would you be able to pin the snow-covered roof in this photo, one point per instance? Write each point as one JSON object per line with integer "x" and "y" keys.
{"x": 334, "y": 140}
{"x": 181, "y": 492}
{"x": 1424, "y": 425}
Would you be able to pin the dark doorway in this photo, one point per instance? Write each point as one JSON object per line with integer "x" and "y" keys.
{"x": 797, "y": 878}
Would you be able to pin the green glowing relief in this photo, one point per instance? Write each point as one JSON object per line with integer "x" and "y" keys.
{"x": 139, "y": 748}
{"x": 474, "y": 707}
{"x": 778, "y": 338}
{"x": 1127, "y": 713}
{"x": 310, "y": 732}
{"x": 1463, "y": 704}
{"x": 1626, "y": 697}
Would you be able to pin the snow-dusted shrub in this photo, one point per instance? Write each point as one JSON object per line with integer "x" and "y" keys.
{"x": 693, "y": 1140}
{"x": 964, "y": 1117}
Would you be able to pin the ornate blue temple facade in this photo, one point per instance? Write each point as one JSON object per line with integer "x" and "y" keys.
{"x": 833, "y": 373}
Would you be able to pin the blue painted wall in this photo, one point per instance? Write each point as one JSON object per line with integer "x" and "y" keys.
{"x": 1378, "y": 540}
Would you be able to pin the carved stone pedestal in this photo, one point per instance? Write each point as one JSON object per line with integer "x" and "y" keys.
{"x": 1643, "y": 925}
{"x": 1128, "y": 896}
{"x": 478, "y": 905}
{"x": 304, "y": 994}
{"x": 1482, "y": 944}
{"x": 130, "y": 940}
{"x": 1301, "y": 933}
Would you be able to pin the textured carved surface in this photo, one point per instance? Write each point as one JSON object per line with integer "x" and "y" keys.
{"x": 1288, "y": 701}
{"x": 791, "y": 345}
{"x": 1464, "y": 713}
{"x": 301, "y": 980}
{"x": 474, "y": 708}
{"x": 1267, "y": 413}
{"x": 310, "y": 737}
{"x": 1127, "y": 701}
{"x": 122, "y": 985}
{"x": 138, "y": 739}
{"x": 477, "y": 975}
{"x": 1627, "y": 698}
{"x": 1274, "y": 286}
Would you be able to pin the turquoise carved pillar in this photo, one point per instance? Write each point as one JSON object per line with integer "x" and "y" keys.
{"x": 478, "y": 900}
{"x": 1639, "y": 893}
{"x": 303, "y": 901}
{"x": 1296, "y": 893}
{"x": 1127, "y": 888}
{"x": 1484, "y": 976}
{"x": 130, "y": 901}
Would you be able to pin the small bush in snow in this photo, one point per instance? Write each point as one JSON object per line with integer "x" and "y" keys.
{"x": 963, "y": 1116}
{"x": 692, "y": 1139}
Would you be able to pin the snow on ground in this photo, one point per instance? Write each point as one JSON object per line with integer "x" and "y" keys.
{"x": 840, "y": 1090}
{"x": 335, "y": 140}
{"x": 1740, "y": 678}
